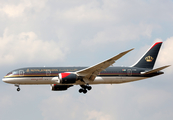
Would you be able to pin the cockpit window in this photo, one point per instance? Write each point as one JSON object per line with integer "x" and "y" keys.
{"x": 9, "y": 73}
{"x": 12, "y": 73}
{"x": 15, "y": 72}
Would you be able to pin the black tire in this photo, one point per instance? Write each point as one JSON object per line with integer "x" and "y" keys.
{"x": 89, "y": 87}
{"x": 80, "y": 90}
{"x": 84, "y": 91}
{"x": 18, "y": 89}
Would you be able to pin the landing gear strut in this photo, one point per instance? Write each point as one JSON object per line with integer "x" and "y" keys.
{"x": 18, "y": 88}
{"x": 84, "y": 88}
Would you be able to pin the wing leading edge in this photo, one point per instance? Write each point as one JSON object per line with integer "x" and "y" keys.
{"x": 90, "y": 73}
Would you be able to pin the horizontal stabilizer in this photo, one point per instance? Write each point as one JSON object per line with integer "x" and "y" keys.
{"x": 155, "y": 70}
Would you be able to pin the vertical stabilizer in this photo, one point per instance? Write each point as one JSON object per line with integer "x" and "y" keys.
{"x": 149, "y": 58}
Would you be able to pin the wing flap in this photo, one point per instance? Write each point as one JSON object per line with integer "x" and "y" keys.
{"x": 155, "y": 70}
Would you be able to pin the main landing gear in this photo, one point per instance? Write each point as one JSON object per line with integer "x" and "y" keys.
{"x": 18, "y": 88}
{"x": 84, "y": 88}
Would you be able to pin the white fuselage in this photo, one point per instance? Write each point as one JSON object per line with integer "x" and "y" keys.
{"x": 51, "y": 80}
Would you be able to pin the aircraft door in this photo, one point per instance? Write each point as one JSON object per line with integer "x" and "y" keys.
{"x": 48, "y": 72}
{"x": 21, "y": 72}
{"x": 129, "y": 72}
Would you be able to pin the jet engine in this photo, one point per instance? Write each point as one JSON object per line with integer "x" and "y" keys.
{"x": 67, "y": 78}
{"x": 60, "y": 87}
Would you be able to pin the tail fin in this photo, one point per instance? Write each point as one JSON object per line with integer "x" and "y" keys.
{"x": 149, "y": 58}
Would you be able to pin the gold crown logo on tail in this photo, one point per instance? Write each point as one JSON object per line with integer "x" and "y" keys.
{"x": 149, "y": 59}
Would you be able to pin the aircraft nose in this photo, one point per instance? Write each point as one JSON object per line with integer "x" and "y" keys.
{"x": 5, "y": 80}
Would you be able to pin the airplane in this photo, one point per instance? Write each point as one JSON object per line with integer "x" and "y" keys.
{"x": 62, "y": 78}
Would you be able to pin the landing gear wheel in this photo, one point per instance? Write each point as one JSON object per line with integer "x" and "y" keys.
{"x": 18, "y": 89}
{"x": 80, "y": 90}
{"x": 84, "y": 88}
{"x": 84, "y": 91}
{"x": 89, "y": 87}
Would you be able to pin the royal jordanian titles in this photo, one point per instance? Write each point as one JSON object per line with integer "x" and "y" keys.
{"x": 61, "y": 78}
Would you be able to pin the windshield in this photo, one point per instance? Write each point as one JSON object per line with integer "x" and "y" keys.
{"x": 9, "y": 73}
{"x": 12, "y": 73}
{"x": 15, "y": 72}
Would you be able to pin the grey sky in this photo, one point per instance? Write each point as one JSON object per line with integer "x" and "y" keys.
{"x": 83, "y": 33}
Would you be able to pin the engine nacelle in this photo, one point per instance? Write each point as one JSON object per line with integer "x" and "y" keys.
{"x": 67, "y": 78}
{"x": 60, "y": 87}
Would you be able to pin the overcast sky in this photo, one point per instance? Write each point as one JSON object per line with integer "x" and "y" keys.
{"x": 83, "y": 33}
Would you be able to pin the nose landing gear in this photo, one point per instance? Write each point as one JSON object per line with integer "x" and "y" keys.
{"x": 18, "y": 88}
{"x": 84, "y": 88}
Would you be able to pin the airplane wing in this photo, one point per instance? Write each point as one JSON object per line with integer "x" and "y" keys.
{"x": 90, "y": 73}
{"x": 155, "y": 70}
